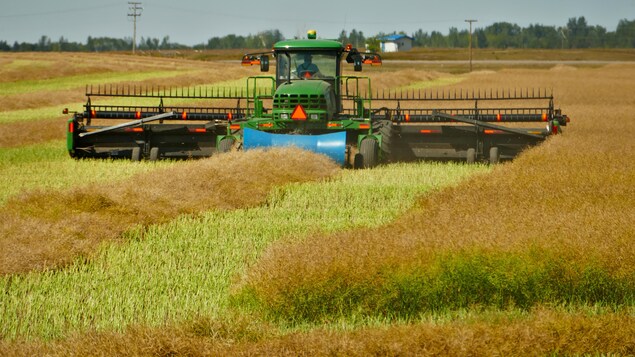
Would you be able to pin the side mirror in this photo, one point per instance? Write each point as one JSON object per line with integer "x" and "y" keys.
{"x": 264, "y": 63}
{"x": 357, "y": 63}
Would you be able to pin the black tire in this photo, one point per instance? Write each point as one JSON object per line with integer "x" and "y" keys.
{"x": 386, "y": 131}
{"x": 225, "y": 145}
{"x": 368, "y": 152}
{"x": 494, "y": 155}
{"x": 471, "y": 156}
{"x": 154, "y": 153}
{"x": 136, "y": 154}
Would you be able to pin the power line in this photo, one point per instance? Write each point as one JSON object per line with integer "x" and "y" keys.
{"x": 136, "y": 8}
{"x": 63, "y": 11}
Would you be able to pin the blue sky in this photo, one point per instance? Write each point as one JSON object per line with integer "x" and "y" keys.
{"x": 194, "y": 21}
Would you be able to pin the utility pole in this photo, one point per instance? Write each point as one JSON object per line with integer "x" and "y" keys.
{"x": 135, "y": 11}
{"x": 470, "y": 21}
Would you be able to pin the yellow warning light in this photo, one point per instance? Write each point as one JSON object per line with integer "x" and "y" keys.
{"x": 311, "y": 34}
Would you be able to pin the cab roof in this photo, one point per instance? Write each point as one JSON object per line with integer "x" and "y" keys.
{"x": 308, "y": 45}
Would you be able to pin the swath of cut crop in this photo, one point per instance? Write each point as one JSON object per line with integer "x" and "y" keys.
{"x": 543, "y": 332}
{"x": 559, "y": 216}
{"x": 45, "y": 229}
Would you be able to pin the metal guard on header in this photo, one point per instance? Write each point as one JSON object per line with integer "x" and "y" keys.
{"x": 332, "y": 145}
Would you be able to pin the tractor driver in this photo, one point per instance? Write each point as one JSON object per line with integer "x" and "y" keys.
{"x": 308, "y": 68}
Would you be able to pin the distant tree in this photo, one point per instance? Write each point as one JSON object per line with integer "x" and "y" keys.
{"x": 355, "y": 38}
{"x": 44, "y": 44}
{"x": 625, "y": 34}
{"x": 481, "y": 38}
{"x": 577, "y": 33}
{"x": 268, "y": 38}
{"x": 373, "y": 44}
{"x": 343, "y": 37}
{"x": 458, "y": 39}
{"x": 437, "y": 40}
{"x": 503, "y": 35}
{"x": 578, "y": 30}
{"x": 539, "y": 36}
{"x": 420, "y": 39}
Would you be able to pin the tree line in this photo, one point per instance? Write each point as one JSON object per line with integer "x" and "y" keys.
{"x": 577, "y": 33}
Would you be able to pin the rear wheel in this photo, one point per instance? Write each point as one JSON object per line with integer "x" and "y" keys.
{"x": 494, "y": 155}
{"x": 154, "y": 153}
{"x": 225, "y": 144}
{"x": 136, "y": 154}
{"x": 368, "y": 154}
{"x": 386, "y": 131}
{"x": 471, "y": 156}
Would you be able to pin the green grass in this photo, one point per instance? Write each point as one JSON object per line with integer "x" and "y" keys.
{"x": 79, "y": 81}
{"x": 465, "y": 281}
{"x": 48, "y": 166}
{"x": 185, "y": 269}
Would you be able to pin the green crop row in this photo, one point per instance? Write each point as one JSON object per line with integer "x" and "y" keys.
{"x": 454, "y": 281}
{"x": 79, "y": 81}
{"x": 186, "y": 268}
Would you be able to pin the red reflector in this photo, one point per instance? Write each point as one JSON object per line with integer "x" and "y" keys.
{"x": 266, "y": 125}
{"x": 229, "y": 116}
{"x": 198, "y": 130}
{"x": 429, "y": 131}
{"x": 93, "y": 114}
{"x": 137, "y": 115}
{"x": 234, "y": 127}
{"x": 364, "y": 126}
{"x": 407, "y": 117}
{"x": 184, "y": 115}
{"x": 134, "y": 130}
{"x": 333, "y": 125}
{"x": 65, "y": 111}
{"x": 71, "y": 127}
{"x": 544, "y": 116}
{"x": 298, "y": 113}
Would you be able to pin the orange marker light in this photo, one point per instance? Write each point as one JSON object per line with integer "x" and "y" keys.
{"x": 498, "y": 117}
{"x": 137, "y": 115}
{"x": 407, "y": 117}
{"x": 229, "y": 116}
{"x": 134, "y": 130}
{"x": 234, "y": 127}
{"x": 184, "y": 115}
{"x": 364, "y": 126}
{"x": 93, "y": 114}
{"x": 490, "y": 131}
{"x": 544, "y": 116}
{"x": 333, "y": 125}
